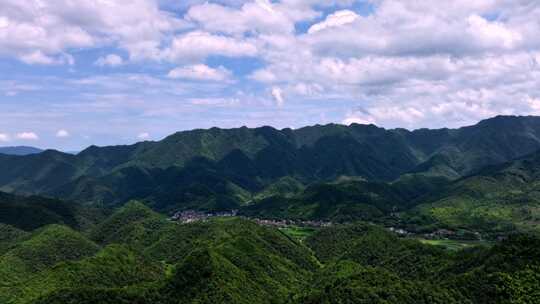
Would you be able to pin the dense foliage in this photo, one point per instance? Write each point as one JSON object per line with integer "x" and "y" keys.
{"x": 140, "y": 257}
{"x": 29, "y": 213}
{"x": 498, "y": 198}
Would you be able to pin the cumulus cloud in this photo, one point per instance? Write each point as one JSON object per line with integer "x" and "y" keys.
{"x": 27, "y": 136}
{"x": 38, "y": 31}
{"x": 398, "y": 63}
{"x": 111, "y": 60}
{"x": 261, "y": 16}
{"x": 200, "y": 72}
{"x": 62, "y": 133}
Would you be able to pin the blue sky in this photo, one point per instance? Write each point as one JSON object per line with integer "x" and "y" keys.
{"x": 76, "y": 73}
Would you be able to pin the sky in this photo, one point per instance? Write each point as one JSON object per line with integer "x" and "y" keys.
{"x": 104, "y": 72}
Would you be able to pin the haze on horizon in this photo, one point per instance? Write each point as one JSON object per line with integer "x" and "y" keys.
{"x": 80, "y": 73}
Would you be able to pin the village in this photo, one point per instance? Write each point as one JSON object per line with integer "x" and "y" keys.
{"x": 192, "y": 216}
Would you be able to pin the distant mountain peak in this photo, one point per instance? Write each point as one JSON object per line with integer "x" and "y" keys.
{"x": 20, "y": 150}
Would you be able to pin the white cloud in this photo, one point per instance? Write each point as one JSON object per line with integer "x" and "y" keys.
{"x": 62, "y": 133}
{"x": 27, "y": 136}
{"x": 197, "y": 45}
{"x": 37, "y": 31}
{"x": 260, "y": 16}
{"x": 336, "y": 19}
{"x": 111, "y": 60}
{"x": 38, "y": 57}
{"x": 405, "y": 63}
{"x": 277, "y": 93}
{"x": 201, "y": 72}
{"x": 358, "y": 118}
{"x": 143, "y": 136}
{"x": 493, "y": 34}
{"x": 4, "y": 137}
{"x": 216, "y": 102}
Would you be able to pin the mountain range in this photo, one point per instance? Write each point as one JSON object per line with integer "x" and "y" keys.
{"x": 228, "y": 168}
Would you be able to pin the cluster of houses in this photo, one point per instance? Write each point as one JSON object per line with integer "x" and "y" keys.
{"x": 192, "y": 216}
{"x": 399, "y": 231}
{"x": 439, "y": 234}
{"x": 288, "y": 223}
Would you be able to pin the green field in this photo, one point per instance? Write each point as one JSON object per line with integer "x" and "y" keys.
{"x": 454, "y": 244}
{"x": 299, "y": 233}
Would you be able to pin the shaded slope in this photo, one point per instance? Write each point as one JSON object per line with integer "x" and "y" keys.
{"x": 29, "y": 213}
{"x": 345, "y": 201}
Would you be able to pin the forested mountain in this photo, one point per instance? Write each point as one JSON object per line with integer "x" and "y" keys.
{"x": 223, "y": 169}
{"x": 20, "y": 150}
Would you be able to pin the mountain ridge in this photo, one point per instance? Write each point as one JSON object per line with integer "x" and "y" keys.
{"x": 240, "y": 161}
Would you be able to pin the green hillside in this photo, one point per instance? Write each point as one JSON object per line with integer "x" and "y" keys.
{"x": 133, "y": 224}
{"x": 113, "y": 267}
{"x": 39, "y": 252}
{"x": 223, "y": 260}
{"x": 366, "y": 264}
{"x": 231, "y": 260}
{"x": 498, "y": 198}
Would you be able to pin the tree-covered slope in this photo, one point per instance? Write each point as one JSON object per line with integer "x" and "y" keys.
{"x": 227, "y": 260}
{"x": 232, "y": 260}
{"x": 134, "y": 224}
{"x": 366, "y": 264}
{"x": 29, "y": 213}
{"x": 497, "y": 198}
{"x": 39, "y": 252}
{"x": 115, "y": 266}
{"x": 350, "y": 282}
{"x": 345, "y": 200}
{"x": 10, "y": 236}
